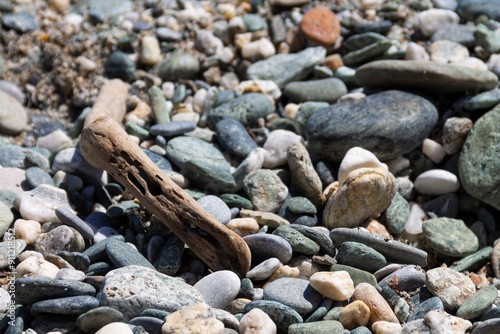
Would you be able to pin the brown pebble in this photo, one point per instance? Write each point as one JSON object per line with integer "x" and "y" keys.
{"x": 379, "y": 308}
{"x": 320, "y": 25}
{"x": 354, "y": 315}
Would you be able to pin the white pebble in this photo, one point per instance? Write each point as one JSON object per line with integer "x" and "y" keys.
{"x": 354, "y": 96}
{"x": 437, "y": 182}
{"x": 258, "y": 294}
{"x": 168, "y": 89}
{"x": 27, "y": 230}
{"x": 115, "y": 327}
{"x": 356, "y": 158}
{"x": 257, "y": 321}
{"x": 74, "y": 19}
{"x": 199, "y": 97}
{"x": 432, "y": 20}
{"x": 445, "y": 4}
{"x": 70, "y": 274}
{"x": 103, "y": 233}
{"x": 28, "y": 267}
{"x": 4, "y": 300}
{"x": 277, "y": 144}
{"x": 26, "y": 254}
{"x": 472, "y": 62}
{"x": 448, "y": 52}
{"x": 86, "y": 65}
{"x": 494, "y": 64}
{"x": 207, "y": 43}
{"x": 243, "y": 226}
{"x": 240, "y": 40}
{"x": 150, "y": 52}
{"x": 386, "y": 327}
{"x": 336, "y": 285}
{"x": 415, "y": 220}
{"x": 53, "y": 140}
{"x": 267, "y": 87}
{"x": 47, "y": 269}
{"x": 261, "y": 49}
{"x": 433, "y": 150}
{"x": 226, "y": 55}
{"x": 398, "y": 164}
{"x": 416, "y": 52}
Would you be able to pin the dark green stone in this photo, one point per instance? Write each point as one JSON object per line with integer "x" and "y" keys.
{"x": 474, "y": 261}
{"x": 333, "y": 314}
{"x": 450, "y": 237}
{"x": 397, "y": 214}
{"x": 305, "y": 111}
{"x": 97, "y": 318}
{"x": 236, "y": 201}
{"x": 181, "y": 149}
{"x": 208, "y": 177}
{"x": 69, "y": 305}
{"x": 360, "y": 256}
{"x": 301, "y": 205}
{"x": 299, "y": 242}
{"x": 178, "y": 66}
{"x": 478, "y": 303}
{"x": 120, "y": 66}
{"x": 368, "y": 52}
{"x": 317, "y": 327}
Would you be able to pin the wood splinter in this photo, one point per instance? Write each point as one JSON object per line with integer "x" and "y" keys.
{"x": 105, "y": 145}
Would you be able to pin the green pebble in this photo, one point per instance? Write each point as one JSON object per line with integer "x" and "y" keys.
{"x": 159, "y": 105}
{"x": 236, "y": 201}
{"x": 299, "y": 242}
{"x": 301, "y": 205}
{"x": 362, "y": 55}
{"x": 473, "y": 261}
{"x": 208, "y": 177}
{"x": 478, "y": 303}
{"x": 195, "y": 194}
{"x": 397, "y": 214}
{"x": 360, "y": 256}
{"x": 254, "y": 22}
{"x": 450, "y": 237}
{"x": 317, "y": 327}
{"x": 334, "y": 313}
{"x": 136, "y": 130}
{"x": 282, "y": 124}
{"x": 305, "y": 111}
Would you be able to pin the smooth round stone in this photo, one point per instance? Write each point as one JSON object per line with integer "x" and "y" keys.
{"x": 133, "y": 289}
{"x": 487, "y": 327}
{"x": 254, "y": 22}
{"x": 234, "y": 138}
{"x": 322, "y": 239}
{"x": 243, "y": 226}
{"x": 360, "y": 256}
{"x": 334, "y": 313}
{"x": 283, "y": 316}
{"x": 123, "y": 255}
{"x": 159, "y": 161}
{"x": 236, "y": 201}
{"x": 478, "y": 163}
{"x": 299, "y": 242}
{"x": 365, "y": 194}
{"x": 478, "y": 303}
{"x": 397, "y": 214}
{"x": 451, "y": 286}
{"x": 405, "y": 279}
{"x": 295, "y": 293}
{"x": 264, "y": 270}
{"x": 169, "y": 259}
{"x": 172, "y": 129}
{"x": 182, "y": 149}
{"x": 13, "y": 116}
{"x": 120, "y": 66}
{"x": 336, "y": 285}
{"x": 304, "y": 177}
{"x": 286, "y": 68}
{"x": 204, "y": 175}
{"x": 456, "y": 33}
{"x": 481, "y": 101}
{"x": 99, "y": 269}
{"x": 150, "y": 324}
{"x": 115, "y": 327}
{"x": 68, "y": 305}
{"x": 356, "y": 158}
{"x": 427, "y": 76}
{"x": 150, "y": 49}
{"x": 266, "y": 246}
{"x": 436, "y": 182}
{"x": 277, "y": 144}
{"x": 70, "y": 274}
{"x": 361, "y": 330}
{"x": 97, "y": 318}
{"x": 37, "y": 288}
{"x": 325, "y": 90}
{"x": 166, "y": 34}
{"x": 425, "y": 307}
{"x": 209, "y": 288}
{"x": 321, "y": 311}
{"x": 13, "y": 182}
{"x": 61, "y": 238}
{"x": 321, "y": 26}
{"x": 450, "y": 237}
{"x": 394, "y": 123}
{"x": 178, "y": 66}
{"x": 216, "y": 207}
{"x": 357, "y": 275}
{"x": 27, "y": 230}
{"x": 257, "y": 320}
{"x": 20, "y": 157}
{"x": 21, "y": 22}
{"x": 266, "y": 190}
{"x": 245, "y": 109}
{"x": 448, "y": 52}
{"x": 67, "y": 217}
{"x": 325, "y": 326}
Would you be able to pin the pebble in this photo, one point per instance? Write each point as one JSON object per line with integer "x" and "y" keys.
{"x": 234, "y": 138}
{"x": 261, "y": 49}
{"x": 448, "y": 52}
{"x": 19, "y": 157}
{"x": 264, "y": 270}
{"x": 379, "y": 309}
{"x": 67, "y": 305}
{"x": 28, "y": 230}
{"x": 13, "y": 179}
{"x": 350, "y": 206}
{"x": 252, "y": 162}
{"x": 453, "y": 288}
{"x": 30, "y": 290}
{"x": 265, "y": 246}
{"x": 325, "y": 90}
{"x": 61, "y": 238}
{"x": 295, "y": 293}
{"x": 149, "y": 324}
{"x": 13, "y": 116}
{"x": 434, "y": 19}
{"x": 477, "y": 304}
{"x": 480, "y": 101}
{"x": 360, "y": 256}
{"x": 182, "y": 149}
{"x": 321, "y": 26}
{"x": 54, "y": 140}
{"x": 115, "y": 327}
{"x": 389, "y": 129}
{"x": 123, "y": 255}
{"x": 354, "y": 315}
{"x": 450, "y": 237}
{"x": 433, "y": 150}
{"x": 487, "y": 327}
{"x": 68, "y": 218}
{"x": 299, "y": 242}
{"x": 443, "y": 78}
{"x": 268, "y": 219}
{"x": 283, "y": 316}
{"x": 199, "y": 318}
{"x": 71, "y": 161}
{"x": 477, "y": 164}
{"x": 355, "y": 158}
{"x": 70, "y": 274}
{"x": 150, "y": 50}
{"x": 21, "y": 22}
{"x": 304, "y": 176}
{"x": 257, "y": 321}
{"x": 217, "y": 298}
{"x": 436, "y": 182}
{"x": 6, "y": 219}
{"x": 178, "y": 66}
{"x": 243, "y": 226}
{"x": 172, "y": 129}
{"x": 266, "y": 190}
{"x": 385, "y": 327}
{"x": 97, "y": 251}
{"x": 443, "y": 206}
{"x": 330, "y": 326}
{"x": 407, "y": 278}
{"x": 439, "y": 320}
{"x": 276, "y": 146}
{"x": 322, "y": 239}
{"x": 336, "y": 285}
{"x": 397, "y": 213}
{"x": 420, "y": 310}
{"x": 120, "y": 66}
{"x": 133, "y": 289}
{"x": 5, "y": 247}
{"x": 475, "y": 260}
{"x": 216, "y": 207}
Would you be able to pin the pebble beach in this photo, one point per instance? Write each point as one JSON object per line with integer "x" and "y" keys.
{"x": 249, "y": 166}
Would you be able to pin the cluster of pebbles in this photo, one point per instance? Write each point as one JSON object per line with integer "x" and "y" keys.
{"x": 353, "y": 145}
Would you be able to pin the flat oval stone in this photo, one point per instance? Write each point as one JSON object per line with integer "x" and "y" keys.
{"x": 450, "y": 237}
{"x": 283, "y": 316}
{"x": 388, "y": 124}
{"x": 216, "y": 207}
{"x": 266, "y": 190}
{"x": 360, "y": 256}
{"x": 452, "y": 287}
{"x": 21, "y": 22}
{"x": 325, "y": 326}
{"x": 324, "y": 90}
{"x": 37, "y": 176}
{"x": 150, "y": 324}
{"x": 245, "y": 109}
{"x": 266, "y": 246}
{"x": 320, "y": 25}
{"x": 295, "y": 293}
{"x": 264, "y": 270}
{"x": 379, "y": 308}
{"x": 13, "y": 116}
{"x": 234, "y": 138}
{"x": 219, "y": 288}
{"x": 67, "y": 305}
{"x": 172, "y": 129}
{"x": 427, "y": 76}
{"x": 299, "y": 242}
{"x": 123, "y": 255}
{"x": 36, "y": 288}
{"x": 69, "y": 218}
{"x": 182, "y": 149}
{"x": 436, "y": 182}
{"x": 478, "y": 303}
{"x": 404, "y": 279}
{"x": 208, "y": 177}
{"x": 97, "y": 318}
{"x": 479, "y": 164}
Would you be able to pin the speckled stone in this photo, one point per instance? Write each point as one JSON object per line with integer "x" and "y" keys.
{"x": 364, "y": 194}
{"x": 37, "y": 288}
{"x": 479, "y": 164}
{"x": 475, "y": 260}
{"x": 360, "y": 256}
{"x": 405, "y": 279}
{"x": 357, "y": 275}
{"x": 478, "y": 303}
{"x": 325, "y": 90}
{"x": 266, "y": 246}
{"x": 398, "y": 304}
{"x": 299, "y": 242}
{"x": 420, "y": 310}
{"x": 450, "y": 237}
{"x": 178, "y": 66}
{"x": 424, "y": 75}
{"x": 325, "y": 326}
{"x": 393, "y": 123}
{"x": 123, "y": 255}
{"x": 452, "y": 287}
{"x": 438, "y": 320}
{"x": 208, "y": 177}
{"x": 397, "y": 214}
{"x": 234, "y": 138}
{"x": 119, "y": 65}
{"x": 306, "y": 110}
{"x": 283, "y": 316}
{"x": 322, "y": 239}
{"x": 245, "y": 109}
{"x": 68, "y": 305}
{"x": 266, "y": 190}
{"x": 182, "y": 149}
{"x": 236, "y": 201}
{"x": 61, "y": 238}
{"x": 285, "y": 68}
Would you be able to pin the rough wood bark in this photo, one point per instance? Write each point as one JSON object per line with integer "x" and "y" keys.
{"x": 105, "y": 145}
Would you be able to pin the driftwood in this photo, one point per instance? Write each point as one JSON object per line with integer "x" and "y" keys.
{"x": 105, "y": 145}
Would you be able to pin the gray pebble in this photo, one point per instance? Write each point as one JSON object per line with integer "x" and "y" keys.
{"x": 216, "y": 207}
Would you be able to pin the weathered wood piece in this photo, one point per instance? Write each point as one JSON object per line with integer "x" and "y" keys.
{"x": 111, "y": 102}
{"x": 105, "y": 145}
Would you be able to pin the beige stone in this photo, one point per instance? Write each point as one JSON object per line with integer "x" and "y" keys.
{"x": 385, "y": 327}
{"x": 150, "y": 52}
{"x": 198, "y": 318}
{"x": 264, "y": 218}
{"x": 27, "y": 230}
{"x": 284, "y": 272}
{"x": 243, "y": 226}
{"x": 354, "y": 315}
{"x": 355, "y": 158}
{"x": 336, "y": 285}
{"x": 452, "y": 287}
{"x": 257, "y": 322}
{"x": 440, "y": 322}
{"x": 379, "y": 308}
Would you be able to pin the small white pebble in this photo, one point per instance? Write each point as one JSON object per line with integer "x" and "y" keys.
{"x": 257, "y": 321}
{"x": 385, "y": 327}
{"x": 356, "y": 158}
{"x": 415, "y": 220}
{"x": 398, "y": 164}
{"x": 437, "y": 182}
{"x": 416, "y": 52}
{"x": 336, "y": 285}
{"x": 433, "y": 150}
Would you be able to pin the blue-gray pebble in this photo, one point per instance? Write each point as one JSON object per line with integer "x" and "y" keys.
{"x": 234, "y": 138}
{"x": 172, "y": 129}
{"x": 266, "y": 246}
{"x": 36, "y": 288}
{"x": 283, "y": 316}
{"x": 123, "y": 255}
{"x": 182, "y": 149}
{"x": 69, "y": 305}
{"x": 216, "y": 207}
{"x": 295, "y": 293}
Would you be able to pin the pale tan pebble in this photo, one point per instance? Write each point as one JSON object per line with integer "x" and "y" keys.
{"x": 226, "y": 55}
{"x": 433, "y": 150}
{"x": 26, "y": 254}
{"x": 283, "y": 48}
{"x": 355, "y": 158}
{"x": 150, "y": 50}
{"x": 266, "y": 87}
{"x": 379, "y": 308}
{"x": 240, "y": 40}
{"x": 291, "y": 110}
{"x": 198, "y": 318}
{"x": 142, "y": 112}
{"x": 448, "y": 51}
{"x": 212, "y": 75}
{"x": 336, "y": 285}
{"x": 178, "y": 179}
{"x": 333, "y": 61}
{"x": 85, "y": 65}
{"x": 5, "y": 299}
{"x": 261, "y": 49}
{"x": 61, "y": 5}
{"x": 54, "y": 140}
{"x": 228, "y": 10}
{"x": 238, "y": 305}
{"x": 243, "y": 226}
{"x": 199, "y": 98}
{"x": 146, "y": 144}
{"x": 432, "y": 20}
{"x": 47, "y": 269}
{"x": 352, "y": 97}
{"x": 440, "y": 322}
{"x": 354, "y": 314}
{"x": 28, "y": 267}
{"x": 191, "y": 13}
{"x": 71, "y": 180}
{"x": 329, "y": 191}
{"x": 452, "y": 287}
{"x": 385, "y": 327}
{"x": 257, "y": 322}
{"x": 27, "y": 230}
{"x": 288, "y": 3}
{"x": 456, "y": 130}
{"x": 115, "y": 328}
{"x": 397, "y": 164}
{"x": 98, "y": 207}
{"x": 284, "y": 272}
{"x": 324, "y": 260}
{"x": 135, "y": 139}
{"x": 168, "y": 89}
{"x": 269, "y": 219}
{"x": 471, "y": 62}
{"x": 415, "y": 51}
{"x": 307, "y": 267}
{"x": 276, "y": 146}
